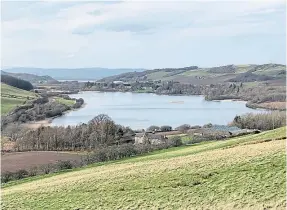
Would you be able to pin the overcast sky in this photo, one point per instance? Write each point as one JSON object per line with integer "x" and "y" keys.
{"x": 142, "y": 34}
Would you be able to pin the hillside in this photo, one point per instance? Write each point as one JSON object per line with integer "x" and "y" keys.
{"x": 202, "y": 76}
{"x": 241, "y": 173}
{"x": 72, "y": 74}
{"x": 34, "y": 79}
{"x": 12, "y": 97}
{"x": 16, "y": 82}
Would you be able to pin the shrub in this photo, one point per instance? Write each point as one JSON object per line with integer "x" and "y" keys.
{"x": 195, "y": 127}
{"x": 6, "y": 176}
{"x": 33, "y": 171}
{"x": 153, "y": 128}
{"x": 183, "y": 128}
{"x": 64, "y": 164}
{"x": 46, "y": 169}
{"x": 20, "y": 174}
{"x": 100, "y": 155}
{"x": 209, "y": 125}
{"x": 165, "y": 128}
{"x": 176, "y": 141}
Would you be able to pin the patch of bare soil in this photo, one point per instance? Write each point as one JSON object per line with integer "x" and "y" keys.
{"x": 25, "y": 160}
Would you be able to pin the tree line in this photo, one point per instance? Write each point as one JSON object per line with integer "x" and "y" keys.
{"x": 100, "y": 131}
{"x": 16, "y": 82}
{"x": 101, "y": 154}
{"x": 261, "y": 121}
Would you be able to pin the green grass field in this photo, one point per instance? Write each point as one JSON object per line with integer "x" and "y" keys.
{"x": 12, "y": 97}
{"x": 157, "y": 75}
{"x": 242, "y": 173}
{"x": 65, "y": 101}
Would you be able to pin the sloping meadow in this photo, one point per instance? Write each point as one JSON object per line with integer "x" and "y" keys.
{"x": 242, "y": 173}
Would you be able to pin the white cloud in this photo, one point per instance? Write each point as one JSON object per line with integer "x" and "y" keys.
{"x": 94, "y": 30}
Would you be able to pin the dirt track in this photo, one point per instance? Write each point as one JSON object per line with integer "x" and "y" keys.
{"x": 26, "y": 160}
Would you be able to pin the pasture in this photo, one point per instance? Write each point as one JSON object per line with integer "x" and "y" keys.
{"x": 242, "y": 173}
{"x": 12, "y": 97}
{"x": 65, "y": 101}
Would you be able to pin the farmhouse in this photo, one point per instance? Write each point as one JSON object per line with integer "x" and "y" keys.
{"x": 149, "y": 138}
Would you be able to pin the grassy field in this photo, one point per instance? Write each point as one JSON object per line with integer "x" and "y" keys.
{"x": 65, "y": 101}
{"x": 12, "y": 97}
{"x": 241, "y": 173}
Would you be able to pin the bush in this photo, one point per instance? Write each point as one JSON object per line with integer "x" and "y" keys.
{"x": 23, "y": 118}
{"x": 176, "y": 141}
{"x": 209, "y": 125}
{"x": 33, "y": 171}
{"x": 195, "y": 127}
{"x": 100, "y": 155}
{"x": 153, "y": 128}
{"x": 6, "y": 176}
{"x": 183, "y": 128}
{"x": 54, "y": 112}
{"x": 165, "y": 128}
{"x": 20, "y": 174}
{"x": 46, "y": 169}
{"x": 64, "y": 164}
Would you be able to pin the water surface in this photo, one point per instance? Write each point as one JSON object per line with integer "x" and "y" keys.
{"x": 140, "y": 110}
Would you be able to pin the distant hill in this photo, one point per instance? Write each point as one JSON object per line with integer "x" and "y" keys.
{"x": 205, "y": 76}
{"x": 34, "y": 79}
{"x": 73, "y": 74}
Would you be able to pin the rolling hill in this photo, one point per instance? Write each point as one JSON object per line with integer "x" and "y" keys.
{"x": 71, "y": 74}
{"x": 242, "y": 173}
{"x": 12, "y": 97}
{"x": 34, "y": 79}
{"x": 204, "y": 76}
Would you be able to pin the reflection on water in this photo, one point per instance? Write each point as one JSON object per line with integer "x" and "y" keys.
{"x": 142, "y": 110}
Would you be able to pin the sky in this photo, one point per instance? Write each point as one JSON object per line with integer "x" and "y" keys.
{"x": 142, "y": 34}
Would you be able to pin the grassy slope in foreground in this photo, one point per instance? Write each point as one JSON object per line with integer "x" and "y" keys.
{"x": 241, "y": 173}
{"x": 12, "y": 97}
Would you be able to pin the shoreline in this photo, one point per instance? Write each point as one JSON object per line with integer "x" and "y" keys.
{"x": 215, "y": 100}
{"x": 37, "y": 124}
{"x": 247, "y": 103}
{"x": 48, "y": 121}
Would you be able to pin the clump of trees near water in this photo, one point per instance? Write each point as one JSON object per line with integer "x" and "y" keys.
{"x": 261, "y": 121}
{"x": 100, "y": 131}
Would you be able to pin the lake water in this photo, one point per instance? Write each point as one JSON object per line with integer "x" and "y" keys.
{"x": 142, "y": 110}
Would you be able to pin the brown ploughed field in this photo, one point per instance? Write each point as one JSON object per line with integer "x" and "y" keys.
{"x": 25, "y": 160}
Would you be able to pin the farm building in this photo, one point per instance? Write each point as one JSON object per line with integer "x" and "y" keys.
{"x": 149, "y": 138}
